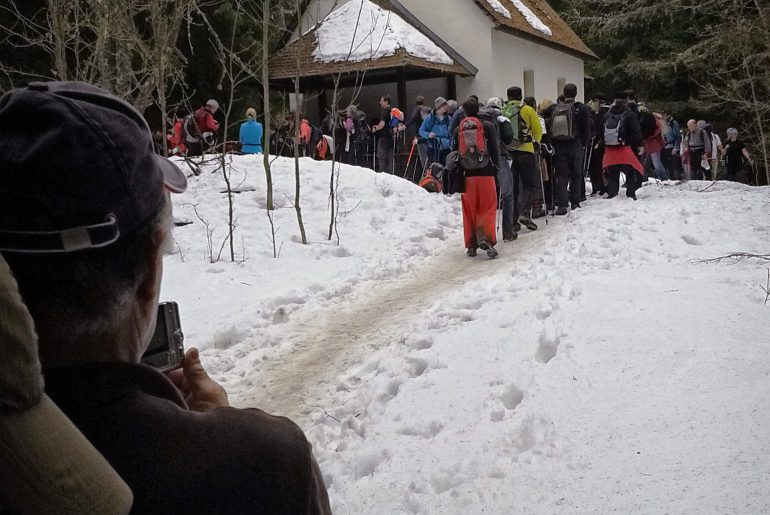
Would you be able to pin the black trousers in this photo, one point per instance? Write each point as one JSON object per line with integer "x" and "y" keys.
{"x": 569, "y": 172}
{"x": 633, "y": 180}
{"x": 385, "y": 155}
{"x": 596, "y": 171}
{"x": 696, "y": 170}
{"x": 526, "y": 184}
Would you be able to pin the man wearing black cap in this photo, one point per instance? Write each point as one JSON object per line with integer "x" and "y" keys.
{"x": 84, "y": 216}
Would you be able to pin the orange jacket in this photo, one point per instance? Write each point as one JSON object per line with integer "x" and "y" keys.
{"x": 304, "y": 132}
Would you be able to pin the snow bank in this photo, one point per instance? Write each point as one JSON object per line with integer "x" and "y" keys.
{"x": 361, "y": 30}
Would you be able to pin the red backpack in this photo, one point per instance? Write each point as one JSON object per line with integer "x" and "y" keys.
{"x": 430, "y": 182}
{"x": 472, "y": 145}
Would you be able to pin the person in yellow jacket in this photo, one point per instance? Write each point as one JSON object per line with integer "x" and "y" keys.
{"x": 527, "y": 130}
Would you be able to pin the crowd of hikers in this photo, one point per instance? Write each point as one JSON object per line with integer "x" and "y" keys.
{"x": 527, "y": 159}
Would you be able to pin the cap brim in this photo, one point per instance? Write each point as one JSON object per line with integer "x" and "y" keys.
{"x": 173, "y": 177}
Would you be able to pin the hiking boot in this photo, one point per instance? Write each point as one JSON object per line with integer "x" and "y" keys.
{"x": 575, "y": 206}
{"x": 516, "y": 226}
{"x": 528, "y": 223}
{"x": 471, "y": 253}
{"x": 491, "y": 252}
{"x": 510, "y": 236}
{"x": 562, "y": 210}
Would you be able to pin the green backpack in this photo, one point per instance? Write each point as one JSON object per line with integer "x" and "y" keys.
{"x": 512, "y": 111}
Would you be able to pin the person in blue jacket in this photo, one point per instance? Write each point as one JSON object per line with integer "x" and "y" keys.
{"x": 251, "y": 133}
{"x": 435, "y": 130}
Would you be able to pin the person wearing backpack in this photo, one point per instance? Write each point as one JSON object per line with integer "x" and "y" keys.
{"x": 201, "y": 127}
{"x": 492, "y": 113}
{"x": 526, "y": 130}
{"x": 385, "y": 140}
{"x": 478, "y": 161}
{"x": 599, "y": 110}
{"x": 621, "y": 138}
{"x": 697, "y": 145}
{"x": 569, "y": 127}
{"x": 435, "y": 130}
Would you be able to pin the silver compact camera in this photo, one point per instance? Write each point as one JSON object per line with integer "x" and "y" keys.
{"x": 166, "y": 348}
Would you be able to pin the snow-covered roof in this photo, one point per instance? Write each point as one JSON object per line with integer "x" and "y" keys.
{"x": 363, "y": 36}
{"x": 360, "y": 30}
{"x": 535, "y": 18}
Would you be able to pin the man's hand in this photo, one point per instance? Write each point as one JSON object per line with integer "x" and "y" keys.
{"x": 431, "y": 135}
{"x": 200, "y": 391}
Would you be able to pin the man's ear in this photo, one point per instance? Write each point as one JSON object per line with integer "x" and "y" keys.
{"x": 147, "y": 290}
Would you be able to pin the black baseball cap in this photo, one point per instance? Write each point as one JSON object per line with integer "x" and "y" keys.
{"x": 77, "y": 169}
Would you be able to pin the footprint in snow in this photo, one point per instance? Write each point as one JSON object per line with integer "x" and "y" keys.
{"x": 419, "y": 343}
{"x": 417, "y": 366}
{"x": 691, "y": 240}
{"x": 546, "y": 348}
{"x": 511, "y": 397}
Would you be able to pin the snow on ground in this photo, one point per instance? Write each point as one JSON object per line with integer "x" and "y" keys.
{"x": 375, "y": 33}
{"x": 592, "y": 368}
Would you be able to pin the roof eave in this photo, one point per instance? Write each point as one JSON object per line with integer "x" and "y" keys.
{"x": 543, "y": 40}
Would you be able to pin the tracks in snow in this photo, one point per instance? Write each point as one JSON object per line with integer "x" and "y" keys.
{"x": 329, "y": 341}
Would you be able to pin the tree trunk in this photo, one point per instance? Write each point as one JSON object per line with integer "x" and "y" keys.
{"x": 266, "y": 95}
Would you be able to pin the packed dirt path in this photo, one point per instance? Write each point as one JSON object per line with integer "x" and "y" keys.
{"x": 330, "y": 341}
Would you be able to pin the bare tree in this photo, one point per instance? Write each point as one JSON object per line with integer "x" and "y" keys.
{"x": 128, "y": 48}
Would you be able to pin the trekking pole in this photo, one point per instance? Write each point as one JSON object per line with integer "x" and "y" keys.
{"x": 587, "y": 159}
{"x": 393, "y": 156}
{"x": 538, "y": 156}
{"x": 409, "y": 159}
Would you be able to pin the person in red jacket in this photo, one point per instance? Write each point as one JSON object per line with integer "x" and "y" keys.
{"x": 176, "y": 144}
{"x": 200, "y": 135}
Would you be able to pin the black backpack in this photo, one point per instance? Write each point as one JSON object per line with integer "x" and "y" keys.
{"x": 614, "y": 133}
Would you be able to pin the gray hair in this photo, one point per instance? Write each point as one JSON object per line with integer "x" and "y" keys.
{"x": 78, "y": 298}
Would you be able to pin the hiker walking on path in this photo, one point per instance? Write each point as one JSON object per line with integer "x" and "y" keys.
{"x": 622, "y": 140}
{"x": 697, "y": 145}
{"x": 477, "y": 160}
{"x": 569, "y": 126}
{"x": 526, "y": 130}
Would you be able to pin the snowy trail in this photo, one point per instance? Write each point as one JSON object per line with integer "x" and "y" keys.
{"x": 329, "y": 342}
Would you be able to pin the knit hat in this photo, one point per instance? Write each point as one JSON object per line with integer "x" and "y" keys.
{"x": 732, "y": 131}
{"x": 251, "y": 113}
{"x": 78, "y": 169}
{"x": 213, "y": 104}
{"x": 439, "y": 102}
{"x": 495, "y": 102}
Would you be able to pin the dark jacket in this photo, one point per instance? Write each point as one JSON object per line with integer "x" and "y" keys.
{"x": 492, "y": 149}
{"x": 630, "y": 131}
{"x": 227, "y": 461}
{"x": 414, "y": 120}
{"x": 582, "y": 121}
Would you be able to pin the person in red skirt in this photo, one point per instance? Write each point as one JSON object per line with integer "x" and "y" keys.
{"x": 622, "y": 139}
{"x": 477, "y": 160}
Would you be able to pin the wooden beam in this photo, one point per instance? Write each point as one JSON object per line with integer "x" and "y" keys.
{"x": 401, "y": 100}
